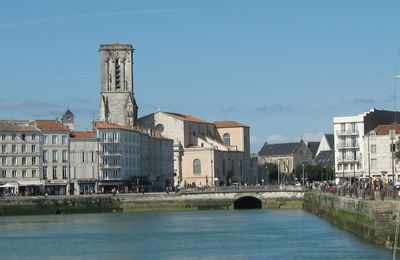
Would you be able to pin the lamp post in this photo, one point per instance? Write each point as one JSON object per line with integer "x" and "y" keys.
{"x": 354, "y": 165}
{"x": 392, "y": 134}
{"x": 303, "y": 172}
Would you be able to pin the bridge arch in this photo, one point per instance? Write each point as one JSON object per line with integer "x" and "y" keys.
{"x": 247, "y": 202}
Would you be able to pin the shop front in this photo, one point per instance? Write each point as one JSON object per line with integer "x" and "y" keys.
{"x": 87, "y": 187}
{"x": 30, "y": 188}
{"x": 56, "y": 187}
{"x": 110, "y": 186}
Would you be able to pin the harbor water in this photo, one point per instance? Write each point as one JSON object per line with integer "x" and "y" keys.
{"x": 236, "y": 234}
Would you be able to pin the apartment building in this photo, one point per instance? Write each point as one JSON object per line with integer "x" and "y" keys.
{"x": 349, "y": 135}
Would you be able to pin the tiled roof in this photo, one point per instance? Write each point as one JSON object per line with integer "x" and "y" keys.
{"x": 277, "y": 149}
{"x": 83, "y": 134}
{"x": 104, "y": 125}
{"x": 50, "y": 125}
{"x": 13, "y": 126}
{"x": 384, "y": 129}
{"x": 188, "y": 118}
{"x": 226, "y": 124}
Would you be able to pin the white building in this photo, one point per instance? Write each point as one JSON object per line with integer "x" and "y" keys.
{"x": 349, "y": 135}
{"x": 20, "y": 156}
{"x": 84, "y": 162}
{"x": 380, "y": 161}
{"x": 55, "y": 156}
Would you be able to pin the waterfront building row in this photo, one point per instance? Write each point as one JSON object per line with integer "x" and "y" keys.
{"x": 365, "y": 145}
{"x": 44, "y": 156}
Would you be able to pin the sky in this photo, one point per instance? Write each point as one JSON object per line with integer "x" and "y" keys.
{"x": 285, "y": 67}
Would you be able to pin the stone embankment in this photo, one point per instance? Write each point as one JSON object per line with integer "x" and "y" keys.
{"x": 148, "y": 201}
{"x": 372, "y": 220}
{"x": 58, "y": 205}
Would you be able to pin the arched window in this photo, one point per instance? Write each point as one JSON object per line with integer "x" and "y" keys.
{"x": 196, "y": 166}
{"x": 227, "y": 139}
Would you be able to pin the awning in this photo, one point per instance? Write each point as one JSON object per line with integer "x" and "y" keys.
{"x": 30, "y": 183}
{"x": 110, "y": 183}
{"x": 8, "y": 185}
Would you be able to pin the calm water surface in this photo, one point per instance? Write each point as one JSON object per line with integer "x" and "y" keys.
{"x": 249, "y": 234}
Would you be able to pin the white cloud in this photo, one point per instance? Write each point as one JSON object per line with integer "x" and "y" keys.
{"x": 278, "y": 138}
{"x": 313, "y": 137}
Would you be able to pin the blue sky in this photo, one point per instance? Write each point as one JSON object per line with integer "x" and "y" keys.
{"x": 285, "y": 68}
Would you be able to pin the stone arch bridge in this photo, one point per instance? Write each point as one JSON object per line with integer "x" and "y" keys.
{"x": 220, "y": 198}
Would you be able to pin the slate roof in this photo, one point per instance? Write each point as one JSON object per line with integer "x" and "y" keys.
{"x": 331, "y": 140}
{"x": 277, "y": 149}
{"x": 313, "y": 146}
{"x": 326, "y": 158}
{"x": 226, "y": 124}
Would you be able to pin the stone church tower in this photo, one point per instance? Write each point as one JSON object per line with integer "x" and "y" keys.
{"x": 117, "y": 102}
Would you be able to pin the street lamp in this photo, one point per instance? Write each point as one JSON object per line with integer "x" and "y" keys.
{"x": 392, "y": 134}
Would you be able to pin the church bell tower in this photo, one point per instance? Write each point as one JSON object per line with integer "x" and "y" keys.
{"x": 117, "y": 101}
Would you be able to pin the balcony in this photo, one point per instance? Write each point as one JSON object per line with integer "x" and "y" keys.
{"x": 350, "y": 145}
{"x": 347, "y": 132}
{"x": 349, "y": 159}
{"x": 109, "y": 166}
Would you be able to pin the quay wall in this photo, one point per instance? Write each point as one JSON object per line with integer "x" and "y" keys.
{"x": 371, "y": 220}
{"x": 147, "y": 201}
{"x": 57, "y": 205}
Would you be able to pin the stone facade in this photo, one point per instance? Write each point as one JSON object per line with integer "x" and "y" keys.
{"x": 117, "y": 102}
{"x": 202, "y": 157}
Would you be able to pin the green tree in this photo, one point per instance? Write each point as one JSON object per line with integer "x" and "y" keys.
{"x": 314, "y": 172}
{"x": 269, "y": 168}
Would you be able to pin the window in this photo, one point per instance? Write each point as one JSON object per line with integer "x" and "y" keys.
{"x": 53, "y": 139}
{"x": 33, "y": 137}
{"x": 45, "y": 155}
{"x": 33, "y": 173}
{"x": 23, "y": 173}
{"x": 373, "y": 163}
{"x": 196, "y": 166}
{"x": 44, "y": 139}
{"x": 227, "y": 139}
{"x": 54, "y": 172}
{"x": 54, "y": 155}
{"x": 373, "y": 148}
{"x": 64, "y": 170}
{"x": 34, "y": 161}
{"x": 3, "y": 161}
{"x": 13, "y": 148}
{"x": 64, "y": 155}
{"x": 23, "y": 161}
{"x": 3, "y": 174}
{"x": 83, "y": 157}
{"x": 3, "y": 136}
{"x": 23, "y": 148}
{"x": 64, "y": 139}
{"x": 4, "y": 148}
{"x": 33, "y": 148}
{"x": 23, "y": 136}
{"x": 14, "y": 161}
{"x": 14, "y": 174}
{"x": 44, "y": 172}
{"x": 13, "y": 136}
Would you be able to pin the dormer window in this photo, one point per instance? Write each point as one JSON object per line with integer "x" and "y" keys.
{"x": 227, "y": 139}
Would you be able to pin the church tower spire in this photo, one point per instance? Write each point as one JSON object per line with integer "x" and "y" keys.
{"x": 117, "y": 101}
